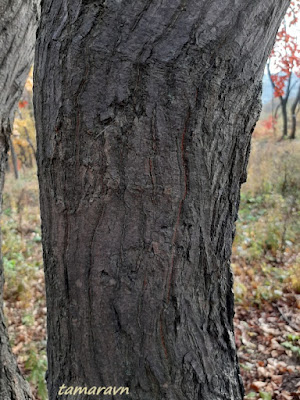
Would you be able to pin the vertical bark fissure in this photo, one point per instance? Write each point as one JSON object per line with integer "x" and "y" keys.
{"x": 185, "y": 178}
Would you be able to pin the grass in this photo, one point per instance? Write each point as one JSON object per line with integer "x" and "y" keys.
{"x": 266, "y": 248}
{"x": 24, "y": 281}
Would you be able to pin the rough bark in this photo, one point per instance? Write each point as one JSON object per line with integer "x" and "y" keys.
{"x": 294, "y": 115}
{"x": 144, "y": 113}
{"x": 18, "y": 21}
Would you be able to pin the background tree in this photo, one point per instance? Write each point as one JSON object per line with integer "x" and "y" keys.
{"x": 144, "y": 113}
{"x": 285, "y": 60}
{"x": 18, "y": 21}
{"x": 294, "y": 112}
{"x": 24, "y": 137}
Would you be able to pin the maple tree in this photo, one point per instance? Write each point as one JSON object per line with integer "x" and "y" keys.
{"x": 285, "y": 60}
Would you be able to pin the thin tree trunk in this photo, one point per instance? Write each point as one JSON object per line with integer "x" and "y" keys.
{"x": 14, "y": 158}
{"x": 294, "y": 116}
{"x": 30, "y": 144}
{"x": 144, "y": 113}
{"x": 18, "y": 21}
{"x": 283, "y": 103}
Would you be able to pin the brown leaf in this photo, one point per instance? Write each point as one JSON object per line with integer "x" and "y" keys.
{"x": 17, "y": 348}
{"x": 286, "y": 395}
{"x": 258, "y": 385}
{"x": 277, "y": 379}
{"x": 263, "y": 372}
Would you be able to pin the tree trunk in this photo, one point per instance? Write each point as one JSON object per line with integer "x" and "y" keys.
{"x": 284, "y": 118}
{"x": 283, "y": 104}
{"x": 30, "y": 145}
{"x": 14, "y": 158}
{"x": 294, "y": 115}
{"x": 18, "y": 21}
{"x": 144, "y": 113}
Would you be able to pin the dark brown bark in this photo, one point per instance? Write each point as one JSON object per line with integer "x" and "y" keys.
{"x": 18, "y": 21}
{"x": 144, "y": 113}
{"x": 294, "y": 115}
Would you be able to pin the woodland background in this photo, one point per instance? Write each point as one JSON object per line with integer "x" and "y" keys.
{"x": 266, "y": 252}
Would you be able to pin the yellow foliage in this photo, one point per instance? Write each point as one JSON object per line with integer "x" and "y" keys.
{"x": 29, "y": 82}
{"x": 23, "y": 137}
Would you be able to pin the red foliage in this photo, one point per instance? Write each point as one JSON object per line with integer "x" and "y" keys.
{"x": 285, "y": 55}
{"x": 23, "y": 103}
{"x": 265, "y": 128}
{"x": 269, "y": 123}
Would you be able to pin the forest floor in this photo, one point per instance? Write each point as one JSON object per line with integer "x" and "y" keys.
{"x": 265, "y": 262}
{"x": 268, "y": 349}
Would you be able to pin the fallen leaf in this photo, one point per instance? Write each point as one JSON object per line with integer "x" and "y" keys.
{"x": 258, "y": 385}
